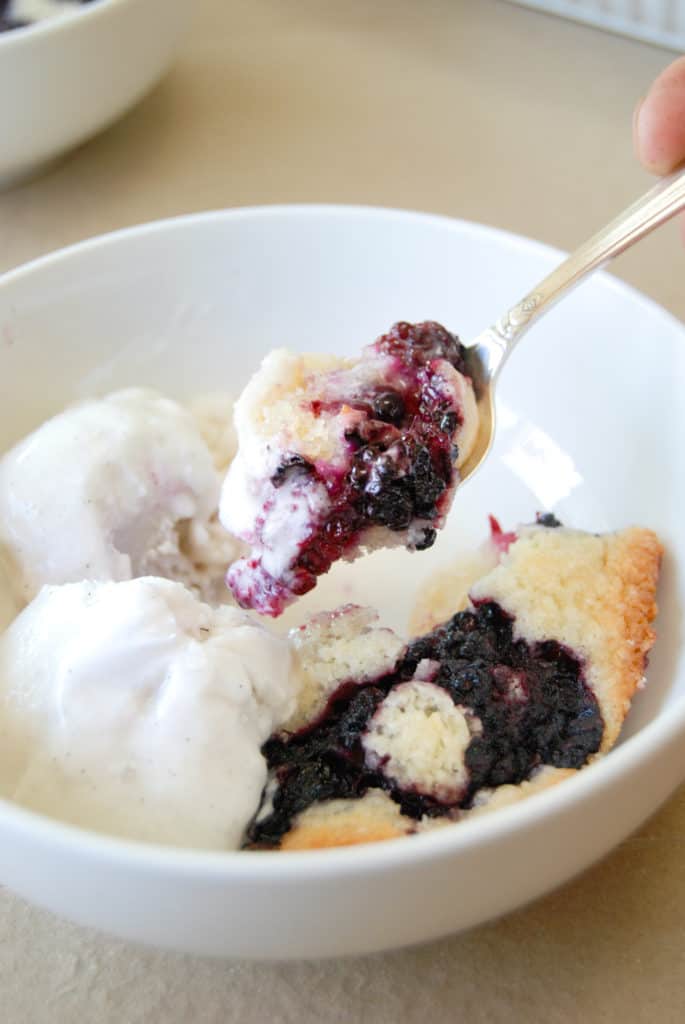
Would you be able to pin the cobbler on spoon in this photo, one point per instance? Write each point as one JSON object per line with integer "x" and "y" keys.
{"x": 338, "y": 457}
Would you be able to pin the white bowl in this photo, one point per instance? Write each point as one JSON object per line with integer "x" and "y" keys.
{"x": 591, "y": 424}
{"x": 65, "y": 78}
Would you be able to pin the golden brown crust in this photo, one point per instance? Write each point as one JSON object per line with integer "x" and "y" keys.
{"x": 348, "y": 822}
{"x": 594, "y": 594}
{"x": 487, "y": 800}
{"x": 347, "y": 831}
{"x": 633, "y": 563}
{"x": 375, "y": 817}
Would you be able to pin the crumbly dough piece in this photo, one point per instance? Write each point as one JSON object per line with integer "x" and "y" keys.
{"x": 336, "y": 647}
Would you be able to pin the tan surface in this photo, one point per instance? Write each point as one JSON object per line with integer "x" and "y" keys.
{"x": 478, "y": 109}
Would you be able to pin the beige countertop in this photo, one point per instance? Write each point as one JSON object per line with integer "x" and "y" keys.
{"x": 473, "y": 108}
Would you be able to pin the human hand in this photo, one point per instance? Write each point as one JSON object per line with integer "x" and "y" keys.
{"x": 659, "y": 122}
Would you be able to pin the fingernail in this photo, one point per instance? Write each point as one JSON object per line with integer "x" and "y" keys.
{"x": 636, "y": 116}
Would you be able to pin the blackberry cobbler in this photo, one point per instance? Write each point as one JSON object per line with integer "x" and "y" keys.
{"x": 337, "y": 457}
{"x": 525, "y": 685}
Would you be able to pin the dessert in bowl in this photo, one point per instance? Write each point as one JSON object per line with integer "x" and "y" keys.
{"x": 84, "y": 83}
{"x": 235, "y": 297}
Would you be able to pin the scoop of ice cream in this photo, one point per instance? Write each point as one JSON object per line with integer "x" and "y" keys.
{"x": 134, "y": 709}
{"x": 213, "y": 413}
{"x": 111, "y": 489}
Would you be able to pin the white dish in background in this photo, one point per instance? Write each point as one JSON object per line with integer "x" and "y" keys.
{"x": 591, "y": 425}
{"x": 654, "y": 21}
{"x": 65, "y": 78}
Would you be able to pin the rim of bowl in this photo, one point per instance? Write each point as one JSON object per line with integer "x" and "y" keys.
{"x": 51, "y": 26}
{"x": 380, "y": 856}
{"x": 329, "y": 209}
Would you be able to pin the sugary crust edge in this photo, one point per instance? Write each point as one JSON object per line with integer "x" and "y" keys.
{"x": 375, "y": 817}
{"x": 370, "y": 819}
{"x": 503, "y": 796}
{"x": 633, "y": 558}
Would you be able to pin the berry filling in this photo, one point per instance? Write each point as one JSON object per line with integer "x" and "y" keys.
{"x": 500, "y": 538}
{"x": 395, "y": 468}
{"x": 529, "y": 702}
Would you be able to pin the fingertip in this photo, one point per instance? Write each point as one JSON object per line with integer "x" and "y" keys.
{"x": 659, "y": 121}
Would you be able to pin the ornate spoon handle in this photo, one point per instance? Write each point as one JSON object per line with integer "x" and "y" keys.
{"x": 659, "y": 204}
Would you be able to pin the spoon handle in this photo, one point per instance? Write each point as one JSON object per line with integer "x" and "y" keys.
{"x": 662, "y": 201}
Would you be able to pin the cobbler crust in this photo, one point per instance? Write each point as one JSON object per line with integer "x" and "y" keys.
{"x": 376, "y": 817}
{"x": 273, "y": 405}
{"x": 348, "y": 822}
{"x": 593, "y": 594}
{"x": 503, "y": 796}
{"x": 333, "y": 647}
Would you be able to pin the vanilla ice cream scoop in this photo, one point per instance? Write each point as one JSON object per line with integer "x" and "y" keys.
{"x": 110, "y": 489}
{"x": 134, "y": 709}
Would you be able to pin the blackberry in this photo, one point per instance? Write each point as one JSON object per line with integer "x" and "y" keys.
{"x": 389, "y": 407}
{"x": 293, "y": 464}
{"x": 427, "y": 539}
{"x": 547, "y": 519}
{"x": 393, "y": 506}
{"x": 422, "y": 342}
{"x": 448, "y": 422}
{"x": 427, "y": 483}
{"x": 355, "y": 718}
{"x": 398, "y": 485}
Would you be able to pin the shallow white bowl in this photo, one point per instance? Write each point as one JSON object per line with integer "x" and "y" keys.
{"x": 191, "y": 305}
{"x": 65, "y": 78}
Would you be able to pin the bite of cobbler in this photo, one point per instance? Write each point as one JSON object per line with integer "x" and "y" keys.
{"x": 337, "y": 457}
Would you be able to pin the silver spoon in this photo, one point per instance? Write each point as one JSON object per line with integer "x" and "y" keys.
{"x": 486, "y": 354}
